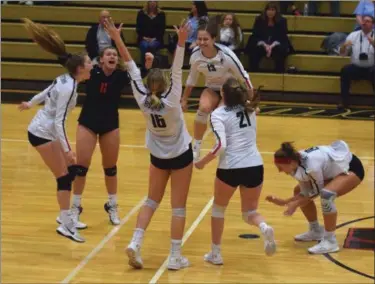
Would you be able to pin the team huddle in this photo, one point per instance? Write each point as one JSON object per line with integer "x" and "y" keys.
{"x": 230, "y": 104}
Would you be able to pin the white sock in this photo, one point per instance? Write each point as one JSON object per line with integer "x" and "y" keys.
{"x": 176, "y": 248}
{"x": 330, "y": 235}
{"x": 197, "y": 143}
{"x": 263, "y": 227}
{"x": 112, "y": 199}
{"x": 216, "y": 249}
{"x": 314, "y": 226}
{"x": 138, "y": 236}
{"x": 77, "y": 200}
{"x": 65, "y": 216}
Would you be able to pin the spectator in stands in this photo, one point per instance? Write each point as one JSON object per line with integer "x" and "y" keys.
{"x": 362, "y": 65}
{"x": 97, "y": 39}
{"x": 313, "y": 7}
{"x": 364, "y": 7}
{"x": 230, "y": 32}
{"x": 284, "y": 5}
{"x": 269, "y": 38}
{"x": 197, "y": 16}
{"x": 150, "y": 29}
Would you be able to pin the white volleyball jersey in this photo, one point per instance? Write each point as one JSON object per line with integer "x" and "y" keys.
{"x": 235, "y": 132}
{"x": 322, "y": 163}
{"x": 216, "y": 70}
{"x": 166, "y": 135}
{"x": 59, "y": 99}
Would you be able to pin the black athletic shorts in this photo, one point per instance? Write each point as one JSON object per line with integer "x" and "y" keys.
{"x": 99, "y": 129}
{"x": 177, "y": 163}
{"x": 356, "y": 167}
{"x": 248, "y": 177}
{"x": 35, "y": 140}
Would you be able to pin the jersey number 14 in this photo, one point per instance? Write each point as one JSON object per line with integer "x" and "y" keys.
{"x": 242, "y": 115}
{"x": 158, "y": 121}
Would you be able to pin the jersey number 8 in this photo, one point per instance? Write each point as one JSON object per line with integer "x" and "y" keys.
{"x": 242, "y": 115}
{"x": 158, "y": 121}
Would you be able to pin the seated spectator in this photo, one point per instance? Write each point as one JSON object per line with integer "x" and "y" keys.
{"x": 97, "y": 38}
{"x": 284, "y": 5}
{"x": 270, "y": 39}
{"x": 230, "y": 32}
{"x": 197, "y": 16}
{"x": 335, "y": 8}
{"x": 364, "y": 7}
{"x": 150, "y": 29}
{"x": 362, "y": 65}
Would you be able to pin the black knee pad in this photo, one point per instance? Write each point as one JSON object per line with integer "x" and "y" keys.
{"x": 111, "y": 172}
{"x": 81, "y": 171}
{"x": 72, "y": 171}
{"x": 64, "y": 183}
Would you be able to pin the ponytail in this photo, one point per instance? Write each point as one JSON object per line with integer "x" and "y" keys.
{"x": 51, "y": 42}
{"x": 251, "y": 105}
{"x": 155, "y": 100}
{"x": 235, "y": 93}
{"x": 286, "y": 154}
{"x": 46, "y": 38}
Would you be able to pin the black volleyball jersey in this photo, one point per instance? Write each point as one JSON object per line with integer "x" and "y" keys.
{"x": 103, "y": 97}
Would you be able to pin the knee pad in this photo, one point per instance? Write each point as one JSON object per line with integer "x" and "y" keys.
{"x": 111, "y": 172}
{"x": 151, "y": 203}
{"x": 179, "y": 212}
{"x": 64, "y": 183}
{"x": 201, "y": 117}
{"x": 327, "y": 199}
{"x": 81, "y": 171}
{"x": 246, "y": 215}
{"x": 72, "y": 171}
{"x": 218, "y": 211}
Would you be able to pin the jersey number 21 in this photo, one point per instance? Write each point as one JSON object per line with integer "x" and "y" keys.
{"x": 158, "y": 121}
{"x": 242, "y": 115}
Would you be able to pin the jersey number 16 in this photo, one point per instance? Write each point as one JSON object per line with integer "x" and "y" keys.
{"x": 242, "y": 115}
{"x": 158, "y": 121}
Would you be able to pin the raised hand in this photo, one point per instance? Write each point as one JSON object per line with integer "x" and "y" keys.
{"x": 111, "y": 28}
{"x": 149, "y": 59}
{"x": 182, "y": 31}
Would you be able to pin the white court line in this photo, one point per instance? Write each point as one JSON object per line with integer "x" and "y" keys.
{"x": 110, "y": 235}
{"x": 144, "y": 146}
{"x": 184, "y": 239}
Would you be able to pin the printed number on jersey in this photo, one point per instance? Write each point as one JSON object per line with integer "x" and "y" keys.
{"x": 103, "y": 87}
{"x": 244, "y": 119}
{"x": 211, "y": 68}
{"x": 158, "y": 121}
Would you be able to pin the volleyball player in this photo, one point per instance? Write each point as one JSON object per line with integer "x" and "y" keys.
{"x": 326, "y": 171}
{"x": 240, "y": 165}
{"x": 217, "y": 63}
{"x": 169, "y": 142}
{"x": 46, "y": 132}
{"x": 99, "y": 121}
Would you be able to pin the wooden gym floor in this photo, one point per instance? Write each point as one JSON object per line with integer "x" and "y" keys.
{"x": 32, "y": 252}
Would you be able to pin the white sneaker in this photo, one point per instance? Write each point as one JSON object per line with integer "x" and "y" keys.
{"x": 213, "y": 258}
{"x": 75, "y": 212}
{"x": 310, "y": 236}
{"x": 177, "y": 263}
{"x": 269, "y": 241}
{"x": 134, "y": 255}
{"x": 112, "y": 213}
{"x": 325, "y": 246}
{"x": 72, "y": 234}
